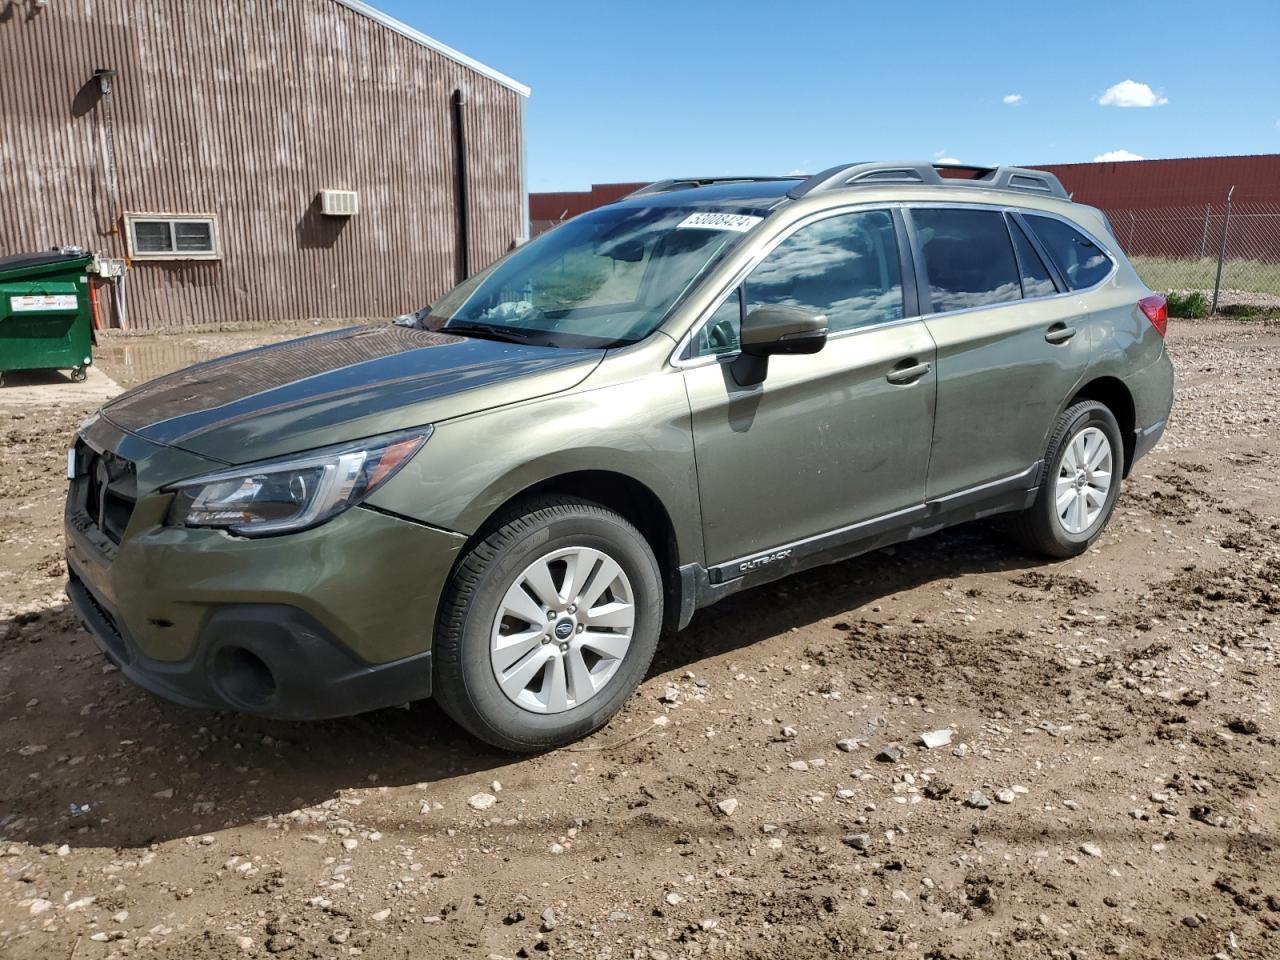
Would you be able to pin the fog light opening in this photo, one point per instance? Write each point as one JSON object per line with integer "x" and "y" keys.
{"x": 243, "y": 677}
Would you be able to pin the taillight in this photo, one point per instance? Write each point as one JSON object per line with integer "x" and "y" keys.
{"x": 1157, "y": 311}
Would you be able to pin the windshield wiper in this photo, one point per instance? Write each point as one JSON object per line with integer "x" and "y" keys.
{"x": 493, "y": 331}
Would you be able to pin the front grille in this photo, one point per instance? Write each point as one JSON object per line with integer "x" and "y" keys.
{"x": 109, "y": 489}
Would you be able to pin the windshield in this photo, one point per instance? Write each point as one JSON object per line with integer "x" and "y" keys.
{"x": 604, "y": 279}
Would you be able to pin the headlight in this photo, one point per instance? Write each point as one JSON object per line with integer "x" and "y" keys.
{"x": 295, "y": 493}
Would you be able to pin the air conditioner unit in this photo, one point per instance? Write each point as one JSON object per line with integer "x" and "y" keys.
{"x": 339, "y": 203}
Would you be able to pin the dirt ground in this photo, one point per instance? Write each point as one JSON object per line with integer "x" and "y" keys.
{"x": 1110, "y": 788}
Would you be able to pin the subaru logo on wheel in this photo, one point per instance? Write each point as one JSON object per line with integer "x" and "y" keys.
{"x": 564, "y": 629}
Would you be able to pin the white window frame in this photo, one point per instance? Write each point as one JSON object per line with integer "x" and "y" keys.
{"x": 132, "y": 219}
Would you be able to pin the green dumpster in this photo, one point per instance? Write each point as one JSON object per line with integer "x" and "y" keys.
{"x": 44, "y": 313}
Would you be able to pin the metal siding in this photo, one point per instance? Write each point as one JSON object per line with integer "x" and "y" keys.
{"x": 247, "y": 110}
{"x": 1142, "y": 184}
{"x": 1132, "y": 185}
{"x": 550, "y": 208}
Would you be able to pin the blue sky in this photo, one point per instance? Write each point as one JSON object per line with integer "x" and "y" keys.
{"x": 640, "y": 91}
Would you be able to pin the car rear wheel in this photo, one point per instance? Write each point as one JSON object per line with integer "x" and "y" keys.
{"x": 1079, "y": 486}
{"x": 549, "y": 625}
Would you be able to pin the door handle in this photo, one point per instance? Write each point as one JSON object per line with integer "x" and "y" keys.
{"x": 908, "y": 371}
{"x": 1060, "y": 333}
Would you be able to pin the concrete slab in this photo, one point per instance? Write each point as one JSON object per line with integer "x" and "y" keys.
{"x": 54, "y": 388}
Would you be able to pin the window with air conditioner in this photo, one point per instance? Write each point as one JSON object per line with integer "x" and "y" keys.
{"x": 164, "y": 236}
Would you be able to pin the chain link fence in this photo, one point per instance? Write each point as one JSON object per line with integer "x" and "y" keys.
{"x": 1229, "y": 253}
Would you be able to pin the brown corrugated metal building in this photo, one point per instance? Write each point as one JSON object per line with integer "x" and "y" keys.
{"x": 204, "y": 143}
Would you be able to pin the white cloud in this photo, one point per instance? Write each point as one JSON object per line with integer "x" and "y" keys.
{"x": 1012, "y": 99}
{"x": 1115, "y": 156}
{"x": 1130, "y": 93}
{"x": 946, "y": 160}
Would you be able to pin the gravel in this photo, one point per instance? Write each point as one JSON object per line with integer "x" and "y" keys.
{"x": 1116, "y": 777}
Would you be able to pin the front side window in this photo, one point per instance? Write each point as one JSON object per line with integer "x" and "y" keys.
{"x": 1080, "y": 260}
{"x": 969, "y": 258}
{"x": 604, "y": 279}
{"x": 845, "y": 267}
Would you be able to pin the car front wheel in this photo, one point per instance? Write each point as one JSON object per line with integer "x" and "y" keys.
{"x": 550, "y": 624}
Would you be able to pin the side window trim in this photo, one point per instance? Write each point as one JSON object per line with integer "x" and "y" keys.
{"x": 1059, "y": 279}
{"x": 1011, "y": 225}
{"x": 686, "y": 349}
{"x": 919, "y": 274}
{"x": 911, "y": 304}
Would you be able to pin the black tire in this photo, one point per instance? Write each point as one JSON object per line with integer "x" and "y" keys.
{"x": 465, "y": 685}
{"x": 1038, "y": 528}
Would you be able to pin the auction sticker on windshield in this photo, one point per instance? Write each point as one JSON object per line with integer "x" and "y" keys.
{"x": 737, "y": 222}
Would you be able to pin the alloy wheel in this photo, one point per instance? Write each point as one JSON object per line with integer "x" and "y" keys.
{"x": 1084, "y": 481}
{"x": 562, "y": 630}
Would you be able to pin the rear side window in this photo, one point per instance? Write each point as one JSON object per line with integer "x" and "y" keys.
{"x": 1079, "y": 259}
{"x": 1036, "y": 281}
{"x": 968, "y": 257}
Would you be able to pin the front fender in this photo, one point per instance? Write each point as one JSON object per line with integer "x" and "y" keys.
{"x": 474, "y": 465}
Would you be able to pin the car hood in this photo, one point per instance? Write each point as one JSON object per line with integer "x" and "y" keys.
{"x": 339, "y": 386}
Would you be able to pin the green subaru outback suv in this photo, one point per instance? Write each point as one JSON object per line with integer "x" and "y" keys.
{"x": 505, "y": 500}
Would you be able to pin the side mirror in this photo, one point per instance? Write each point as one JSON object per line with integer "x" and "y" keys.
{"x": 778, "y": 329}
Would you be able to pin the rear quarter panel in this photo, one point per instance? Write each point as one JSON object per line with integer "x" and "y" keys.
{"x": 1123, "y": 344}
{"x": 1127, "y": 347}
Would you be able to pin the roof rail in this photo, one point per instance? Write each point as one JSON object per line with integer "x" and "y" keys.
{"x": 989, "y": 178}
{"x": 1015, "y": 178}
{"x": 686, "y": 183}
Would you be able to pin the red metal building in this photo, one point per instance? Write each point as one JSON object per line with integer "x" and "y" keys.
{"x": 548, "y": 209}
{"x": 1190, "y": 181}
{"x": 1131, "y": 185}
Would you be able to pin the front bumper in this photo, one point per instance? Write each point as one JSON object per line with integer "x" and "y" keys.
{"x": 327, "y": 622}
{"x": 265, "y": 659}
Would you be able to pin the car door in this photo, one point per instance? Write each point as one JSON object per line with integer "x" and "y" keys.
{"x": 1010, "y": 349}
{"x": 830, "y": 439}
